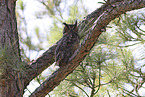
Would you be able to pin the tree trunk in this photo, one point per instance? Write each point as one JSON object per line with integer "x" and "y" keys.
{"x": 11, "y": 83}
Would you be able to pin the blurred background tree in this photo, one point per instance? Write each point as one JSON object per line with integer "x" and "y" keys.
{"x": 114, "y": 67}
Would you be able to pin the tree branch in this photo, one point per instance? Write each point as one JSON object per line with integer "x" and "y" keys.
{"x": 39, "y": 65}
{"x": 94, "y": 32}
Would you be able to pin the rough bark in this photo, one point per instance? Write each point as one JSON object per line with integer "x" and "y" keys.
{"x": 100, "y": 18}
{"x": 10, "y": 83}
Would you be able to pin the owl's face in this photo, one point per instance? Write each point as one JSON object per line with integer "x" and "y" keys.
{"x": 68, "y": 28}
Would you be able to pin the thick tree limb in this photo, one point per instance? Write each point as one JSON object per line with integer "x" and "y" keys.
{"x": 107, "y": 14}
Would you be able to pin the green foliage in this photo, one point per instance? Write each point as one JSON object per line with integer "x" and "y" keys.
{"x": 8, "y": 62}
{"x": 130, "y": 27}
{"x": 21, "y": 4}
{"x": 3, "y": 59}
{"x": 55, "y": 34}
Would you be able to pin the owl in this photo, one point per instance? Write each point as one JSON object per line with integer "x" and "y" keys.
{"x": 67, "y": 45}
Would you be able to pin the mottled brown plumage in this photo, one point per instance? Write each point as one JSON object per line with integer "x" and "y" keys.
{"x": 67, "y": 45}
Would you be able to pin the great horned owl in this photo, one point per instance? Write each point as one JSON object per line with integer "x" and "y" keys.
{"x": 67, "y": 45}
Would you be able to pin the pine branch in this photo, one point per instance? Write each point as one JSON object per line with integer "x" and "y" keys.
{"x": 102, "y": 19}
{"x": 80, "y": 89}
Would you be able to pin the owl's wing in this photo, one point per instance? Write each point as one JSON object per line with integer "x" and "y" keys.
{"x": 60, "y": 51}
{"x": 61, "y": 45}
{"x": 58, "y": 58}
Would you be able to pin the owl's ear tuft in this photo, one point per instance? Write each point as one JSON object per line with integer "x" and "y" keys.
{"x": 75, "y": 23}
{"x": 66, "y": 24}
